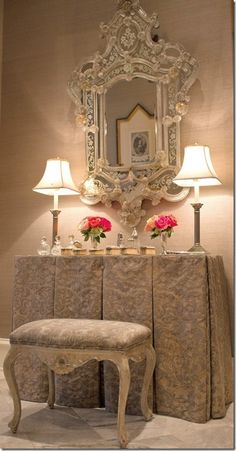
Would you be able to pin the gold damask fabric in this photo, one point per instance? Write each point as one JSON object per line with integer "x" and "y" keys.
{"x": 183, "y": 299}
{"x": 70, "y": 333}
{"x": 127, "y": 296}
{"x": 78, "y": 294}
{"x": 33, "y": 298}
{"x": 191, "y": 337}
{"x": 181, "y": 337}
{"x": 221, "y": 361}
{"x": 78, "y": 287}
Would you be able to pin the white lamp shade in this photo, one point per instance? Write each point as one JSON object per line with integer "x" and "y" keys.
{"x": 57, "y": 179}
{"x": 196, "y": 167}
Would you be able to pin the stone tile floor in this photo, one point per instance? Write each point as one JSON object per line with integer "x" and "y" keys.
{"x": 65, "y": 427}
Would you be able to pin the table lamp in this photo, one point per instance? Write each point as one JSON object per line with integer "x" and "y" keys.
{"x": 56, "y": 181}
{"x": 197, "y": 170}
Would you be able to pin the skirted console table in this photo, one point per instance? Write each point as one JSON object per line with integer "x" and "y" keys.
{"x": 182, "y": 298}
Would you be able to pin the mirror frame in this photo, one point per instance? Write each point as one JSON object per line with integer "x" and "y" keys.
{"x": 133, "y": 50}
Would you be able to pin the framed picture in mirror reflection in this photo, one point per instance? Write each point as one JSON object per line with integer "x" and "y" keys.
{"x": 139, "y": 146}
{"x": 136, "y": 137}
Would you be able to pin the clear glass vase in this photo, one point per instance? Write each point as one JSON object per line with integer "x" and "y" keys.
{"x": 93, "y": 242}
{"x": 164, "y": 238}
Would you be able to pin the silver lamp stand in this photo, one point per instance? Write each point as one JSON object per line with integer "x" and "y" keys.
{"x": 197, "y": 246}
{"x": 55, "y": 214}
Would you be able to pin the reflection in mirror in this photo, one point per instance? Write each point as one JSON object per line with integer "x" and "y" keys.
{"x": 136, "y": 138}
{"x": 121, "y": 102}
{"x": 130, "y": 100}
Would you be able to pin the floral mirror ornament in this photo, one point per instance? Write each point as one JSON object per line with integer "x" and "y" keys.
{"x": 149, "y": 154}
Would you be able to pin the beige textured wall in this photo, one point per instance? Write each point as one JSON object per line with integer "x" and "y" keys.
{"x": 43, "y": 41}
{"x": 1, "y": 36}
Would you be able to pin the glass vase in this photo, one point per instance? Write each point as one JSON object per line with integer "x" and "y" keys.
{"x": 164, "y": 238}
{"x": 93, "y": 242}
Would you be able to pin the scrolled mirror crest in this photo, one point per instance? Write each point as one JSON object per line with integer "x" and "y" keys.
{"x": 132, "y": 147}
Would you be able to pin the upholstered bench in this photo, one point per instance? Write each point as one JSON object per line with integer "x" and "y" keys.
{"x": 65, "y": 344}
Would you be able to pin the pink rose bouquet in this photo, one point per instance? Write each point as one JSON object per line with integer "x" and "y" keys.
{"x": 95, "y": 227}
{"x": 160, "y": 224}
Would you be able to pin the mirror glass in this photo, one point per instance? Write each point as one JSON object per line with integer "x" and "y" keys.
{"x": 122, "y": 102}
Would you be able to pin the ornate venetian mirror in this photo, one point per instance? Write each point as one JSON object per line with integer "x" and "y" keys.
{"x": 130, "y": 100}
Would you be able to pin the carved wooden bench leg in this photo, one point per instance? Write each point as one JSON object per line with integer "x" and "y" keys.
{"x": 51, "y": 384}
{"x": 124, "y": 373}
{"x": 9, "y": 373}
{"x": 150, "y": 365}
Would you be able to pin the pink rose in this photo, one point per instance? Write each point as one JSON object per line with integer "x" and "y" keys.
{"x": 172, "y": 221}
{"x": 94, "y": 226}
{"x": 158, "y": 224}
{"x": 105, "y": 224}
{"x": 94, "y": 222}
{"x": 84, "y": 225}
{"x": 162, "y": 222}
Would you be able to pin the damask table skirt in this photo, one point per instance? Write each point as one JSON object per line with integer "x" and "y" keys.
{"x": 182, "y": 298}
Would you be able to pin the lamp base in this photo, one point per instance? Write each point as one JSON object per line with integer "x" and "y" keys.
{"x": 55, "y": 214}
{"x": 198, "y": 249}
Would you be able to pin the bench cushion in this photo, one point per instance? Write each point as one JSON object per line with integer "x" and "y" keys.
{"x": 80, "y": 334}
